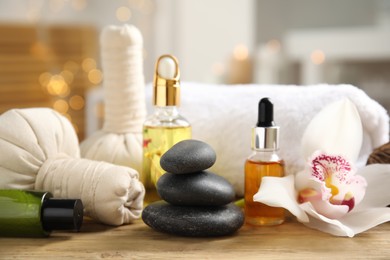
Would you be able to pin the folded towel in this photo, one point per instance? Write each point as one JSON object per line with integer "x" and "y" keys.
{"x": 39, "y": 150}
{"x": 224, "y": 115}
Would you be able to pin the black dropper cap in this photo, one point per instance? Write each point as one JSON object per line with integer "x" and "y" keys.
{"x": 62, "y": 214}
{"x": 265, "y": 136}
{"x": 266, "y": 113}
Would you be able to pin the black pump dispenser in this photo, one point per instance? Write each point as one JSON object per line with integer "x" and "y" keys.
{"x": 266, "y": 113}
{"x": 265, "y": 136}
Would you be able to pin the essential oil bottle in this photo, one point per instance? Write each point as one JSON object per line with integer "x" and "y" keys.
{"x": 165, "y": 127}
{"x": 264, "y": 161}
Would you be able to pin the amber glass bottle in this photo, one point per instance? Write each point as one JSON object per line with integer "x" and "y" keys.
{"x": 264, "y": 161}
{"x": 259, "y": 165}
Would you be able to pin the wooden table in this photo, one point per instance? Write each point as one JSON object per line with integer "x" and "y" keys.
{"x": 290, "y": 240}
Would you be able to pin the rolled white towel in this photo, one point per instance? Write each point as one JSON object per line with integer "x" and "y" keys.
{"x": 39, "y": 150}
{"x": 224, "y": 115}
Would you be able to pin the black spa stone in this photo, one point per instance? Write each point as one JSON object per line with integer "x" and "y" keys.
{"x": 193, "y": 221}
{"x": 188, "y": 156}
{"x": 195, "y": 189}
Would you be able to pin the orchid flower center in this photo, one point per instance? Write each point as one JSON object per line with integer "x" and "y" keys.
{"x": 331, "y": 170}
{"x": 336, "y": 179}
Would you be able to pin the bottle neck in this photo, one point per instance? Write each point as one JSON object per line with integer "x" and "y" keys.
{"x": 265, "y": 156}
{"x": 166, "y": 113}
{"x": 265, "y": 138}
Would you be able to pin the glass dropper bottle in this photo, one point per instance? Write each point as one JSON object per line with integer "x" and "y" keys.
{"x": 264, "y": 161}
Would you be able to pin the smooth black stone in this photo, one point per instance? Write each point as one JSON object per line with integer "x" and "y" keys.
{"x": 188, "y": 156}
{"x": 195, "y": 189}
{"x": 193, "y": 221}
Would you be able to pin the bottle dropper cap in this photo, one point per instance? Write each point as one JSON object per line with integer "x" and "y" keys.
{"x": 265, "y": 136}
{"x": 166, "y": 83}
{"x": 62, "y": 214}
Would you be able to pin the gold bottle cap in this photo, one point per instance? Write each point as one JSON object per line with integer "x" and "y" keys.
{"x": 166, "y": 84}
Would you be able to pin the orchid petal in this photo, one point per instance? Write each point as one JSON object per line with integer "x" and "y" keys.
{"x": 303, "y": 179}
{"x": 280, "y": 192}
{"x": 336, "y": 129}
{"x": 327, "y": 209}
{"x": 360, "y": 221}
{"x": 324, "y": 224}
{"x": 378, "y": 186}
{"x": 357, "y": 187}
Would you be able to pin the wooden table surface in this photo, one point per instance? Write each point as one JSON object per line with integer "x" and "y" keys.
{"x": 290, "y": 240}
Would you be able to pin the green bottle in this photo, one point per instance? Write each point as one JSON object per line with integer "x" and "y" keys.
{"x": 36, "y": 214}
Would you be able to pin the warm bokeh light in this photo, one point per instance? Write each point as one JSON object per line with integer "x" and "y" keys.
{"x": 273, "y": 45}
{"x": 123, "y": 14}
{"x": 76, "y": 102}
{"x": 44, "y": 79}
{"x": 218, "y": 68}
{"x": 95, "y": 76}
{"x": 317, "y": 57}
{"x": 61, "y": 106}
{"x": 241, "y": 52}
{"x": 68, "y": 76}
{"x": 57, "y": 86}
{"x": 88, "y": 64}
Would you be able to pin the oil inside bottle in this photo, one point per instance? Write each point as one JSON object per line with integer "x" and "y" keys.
{"x": 158, "y": 140}
{"x": 257, "y": 213}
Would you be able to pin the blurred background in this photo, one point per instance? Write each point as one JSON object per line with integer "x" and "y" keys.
{"x": 49, "y": 49}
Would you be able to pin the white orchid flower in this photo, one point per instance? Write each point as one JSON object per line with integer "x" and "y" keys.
{"x": 330, "y": 194}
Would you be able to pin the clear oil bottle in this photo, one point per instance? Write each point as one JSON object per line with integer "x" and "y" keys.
{"x": 264, "y": 161}
{"x": 165, "y": 127}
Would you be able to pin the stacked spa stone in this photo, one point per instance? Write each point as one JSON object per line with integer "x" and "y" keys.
{"x": 197, "y": 202}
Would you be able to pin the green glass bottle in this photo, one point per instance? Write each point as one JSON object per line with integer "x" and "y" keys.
{"x": 36, "y": 214}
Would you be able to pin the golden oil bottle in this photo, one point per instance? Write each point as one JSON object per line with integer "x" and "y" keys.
{"x": 165, "y": 127}
{"x": 264, "y": 161}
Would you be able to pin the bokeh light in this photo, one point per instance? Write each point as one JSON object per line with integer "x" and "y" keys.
{"x": 123, "y": 14}
{"x": 76, "y": 102}
{"x": 218, "y": 68}
{"x": 44, "y": 79}
{"x": 61, "y": 106}
{"x": 273, "y": 45}
{"x": 95, "y": 76}
{"x": 57, "y": 86}
{"x": 241, "y": 52}
{"x": 317, "y": 57}
{"x": 88, "y": 64}
{"x": 68, "y": 76}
